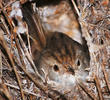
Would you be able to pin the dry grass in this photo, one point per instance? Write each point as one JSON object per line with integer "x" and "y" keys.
{"x": 18, "y": 72}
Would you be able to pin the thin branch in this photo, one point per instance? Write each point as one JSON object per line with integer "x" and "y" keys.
{"x": 4, "y": 44}
{"x": 87, "y": 91}
{"x": 106, "y": 77}
{"x": 26, "y": 91}
{"x": 4, "y": 26}
{"x": 0, "y": 64}
{"x": 98, "y": 88}
{"x": 28, "y": 39}
{"x": 4, "y": 91}
{"x": 79, "y": 89}
{"x": 76, "y": 8}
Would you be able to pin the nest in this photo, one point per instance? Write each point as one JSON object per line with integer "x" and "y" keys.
{"x": 18, "y": 73}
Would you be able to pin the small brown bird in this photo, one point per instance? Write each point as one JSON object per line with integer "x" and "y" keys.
{"x": 62, "y": 62}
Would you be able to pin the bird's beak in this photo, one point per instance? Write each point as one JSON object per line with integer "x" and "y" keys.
{"x": 71, "y": 70}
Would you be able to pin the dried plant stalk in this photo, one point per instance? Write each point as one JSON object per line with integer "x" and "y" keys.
{"x": 94, "y": 24}
{"x": 88, "y": 92}
{"x": 98, "y": 88}
{"x": 4, "y": 44}
{"x": 0, "y": 64}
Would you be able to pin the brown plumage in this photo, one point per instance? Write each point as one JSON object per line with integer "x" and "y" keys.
{"x": 62, "y": 61}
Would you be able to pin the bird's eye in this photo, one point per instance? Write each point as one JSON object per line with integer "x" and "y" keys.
{"x": 56, "y": 68}
{"x": 78, "y": 62}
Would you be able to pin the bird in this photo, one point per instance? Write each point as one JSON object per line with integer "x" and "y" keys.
{"x": 62, "y": 62}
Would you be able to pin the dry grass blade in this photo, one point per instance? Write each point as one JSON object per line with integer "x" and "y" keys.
{"x": 79, "y": 88}
{"x": 4, "y": 44}
{"x": 0, "y": 64}
{"x": 6, "y": 15}
{"x": 26, "y": 91}
{"x": 4, "y": 91}
{"x": 28, "y": 39}
{"x": 106, "y": 77}
{"x": 87, "y": 91}
{"x": 98, "y": 88}
{"x": 76, "y": 8}
{"x": 4, "y": 26}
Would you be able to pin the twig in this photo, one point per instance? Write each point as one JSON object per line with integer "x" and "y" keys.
{"x": 6, "y": 15}
{"x": 4, "y": 26}
{"x": 28, "y": 38}
{"x": 9, "y": 3}
{"x": 106, "y": 77}
{"x": 87, "y": 91}
{"x": 26, "y": 91}
{"x": 4, "y": 44}
{"x": 4, "y": 91}
{"x": 76, "y": 8}
{"x": 0, "y": 64}
{"x": 98, "y": 88}
{"x": 79, "y": 89}
{"x": 5, "y": 62}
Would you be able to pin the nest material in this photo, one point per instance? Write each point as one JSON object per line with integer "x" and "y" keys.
{"x": 17, "y": 77}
